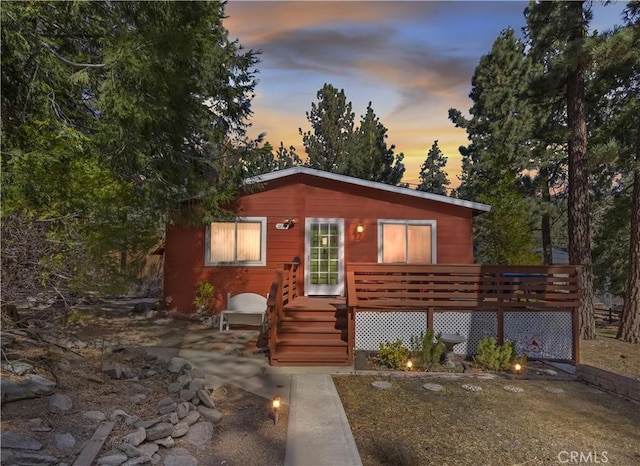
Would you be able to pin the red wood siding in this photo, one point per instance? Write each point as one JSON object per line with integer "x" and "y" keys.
{"x": 303, "y": 196}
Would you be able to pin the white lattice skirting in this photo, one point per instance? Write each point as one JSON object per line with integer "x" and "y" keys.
{"x": 543, "y": 335}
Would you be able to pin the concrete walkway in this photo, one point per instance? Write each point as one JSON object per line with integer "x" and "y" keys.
{"x": 318, "y": 431}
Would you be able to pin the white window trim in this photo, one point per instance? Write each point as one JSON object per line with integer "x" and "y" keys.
{"x": 399, "y": 221}
{"x": 263, "y": 244}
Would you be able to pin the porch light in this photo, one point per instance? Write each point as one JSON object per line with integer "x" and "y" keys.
{"x": 275, "y": 406}
{"x": 287, "y": 223}
{"x": 360, "y": 228}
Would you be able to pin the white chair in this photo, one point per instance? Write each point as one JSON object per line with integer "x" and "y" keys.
{"x": 244, "y": 309}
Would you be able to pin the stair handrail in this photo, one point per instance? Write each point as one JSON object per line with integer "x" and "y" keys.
{"x": 285, "y": 278}
{"x": 274, "y": 306}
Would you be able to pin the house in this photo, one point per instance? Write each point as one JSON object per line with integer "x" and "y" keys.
{"x": 324, "y": 221}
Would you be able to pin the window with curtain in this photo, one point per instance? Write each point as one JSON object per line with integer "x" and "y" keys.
{"x": 239, "y": 242}
{"x": 407, "y": 241}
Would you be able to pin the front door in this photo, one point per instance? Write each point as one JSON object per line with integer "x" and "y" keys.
{"x": 324, "y": 251}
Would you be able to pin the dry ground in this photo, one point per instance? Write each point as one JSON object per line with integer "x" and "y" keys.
{"x": 408, "y": 425}
{"x": 246, "y": 434}
{"x": 610, "y": 354}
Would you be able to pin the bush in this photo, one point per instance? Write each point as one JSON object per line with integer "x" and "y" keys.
{"x": 393, "y": 355}
{"x": 204, "y": 298}
{"x": 495, "y": 357}
{"x": 427, "y": 349}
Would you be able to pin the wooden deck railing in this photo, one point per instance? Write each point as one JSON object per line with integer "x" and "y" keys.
{"x": 463, "y": 288}
{"x": 284, "y": 289}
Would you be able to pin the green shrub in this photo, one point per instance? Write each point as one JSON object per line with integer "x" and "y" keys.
{"x": 427, "y": 349}
{"x": 204, "y": 298}
{"x": 393, "y": 355}
{"x": 495, "y": 357}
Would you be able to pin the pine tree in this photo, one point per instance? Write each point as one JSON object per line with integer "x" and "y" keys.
{"x": 112, "y": 114}
{"x": 500, "y": 133}
{"x": 265, "y": 160}
{"x": 369, "y": 157}
{"x": 433, "y": 178}
{"x": 500, "y": 118}
{"x": 557, "y": 32}
{"x": 328, "y": 143}
{"x": 616, "y": 141}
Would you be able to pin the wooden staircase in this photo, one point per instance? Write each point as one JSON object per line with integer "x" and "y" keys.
{"x": 312, "y": 332}
{"x": 306, "y": 331}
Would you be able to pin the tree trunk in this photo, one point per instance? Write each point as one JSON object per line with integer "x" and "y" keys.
{"x": 629, "y": 329}
{"x": 547, "y": 246}
{"x": 579, "y": 232}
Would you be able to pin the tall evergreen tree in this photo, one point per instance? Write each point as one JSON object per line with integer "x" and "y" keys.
{"x": 557, "y": 32}
{"x": 500, "y": 133}
{"x": 616, "y": 137}
{"x": 112, "y": 114}
{"x": 369, "y": 156}
{"x": 328, "y": 143}
{"x": 499, "y": 128}
{"x": 433, "y": 178}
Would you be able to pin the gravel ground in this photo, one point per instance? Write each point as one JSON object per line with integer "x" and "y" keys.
{"x": 246, "y": 435}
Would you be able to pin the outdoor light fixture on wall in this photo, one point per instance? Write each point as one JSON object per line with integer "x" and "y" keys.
{"x": 287, "y": 224}
{"x": 358, "y": 230}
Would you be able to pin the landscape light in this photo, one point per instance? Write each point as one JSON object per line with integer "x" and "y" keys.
{"x": 409, "y": 364}
{"x": 518, "y": 368}
{"x": 275, "y": 406}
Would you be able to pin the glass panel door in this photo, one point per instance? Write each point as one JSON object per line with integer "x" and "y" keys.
{"x": 324, "y": 245}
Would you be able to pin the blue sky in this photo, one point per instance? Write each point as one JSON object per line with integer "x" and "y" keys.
{"x": 413, "y": 60}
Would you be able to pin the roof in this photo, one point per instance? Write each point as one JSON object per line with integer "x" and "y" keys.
{"x": 278, "y": 174}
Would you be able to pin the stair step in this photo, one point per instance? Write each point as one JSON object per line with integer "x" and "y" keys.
{"x": 310, "y": 318}
{"x": 295, "y": 324}
{"x": 323, "y": 333}
{"x": 311, "y": 346}
{"x": 311, "y": 314}
{"x": 294, "y": 358}
{"x": 331, "y": 322}
{"x": 309, "y": 342}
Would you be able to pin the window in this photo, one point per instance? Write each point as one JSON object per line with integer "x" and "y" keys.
{"x": 407, "y": 241}
{"x": 239, "y": 242}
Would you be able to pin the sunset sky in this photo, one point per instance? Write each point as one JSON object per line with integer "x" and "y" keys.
{"x": 413, "y": 60}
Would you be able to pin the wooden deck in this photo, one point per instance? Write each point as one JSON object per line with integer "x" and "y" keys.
{"x": 307, "y": 330}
